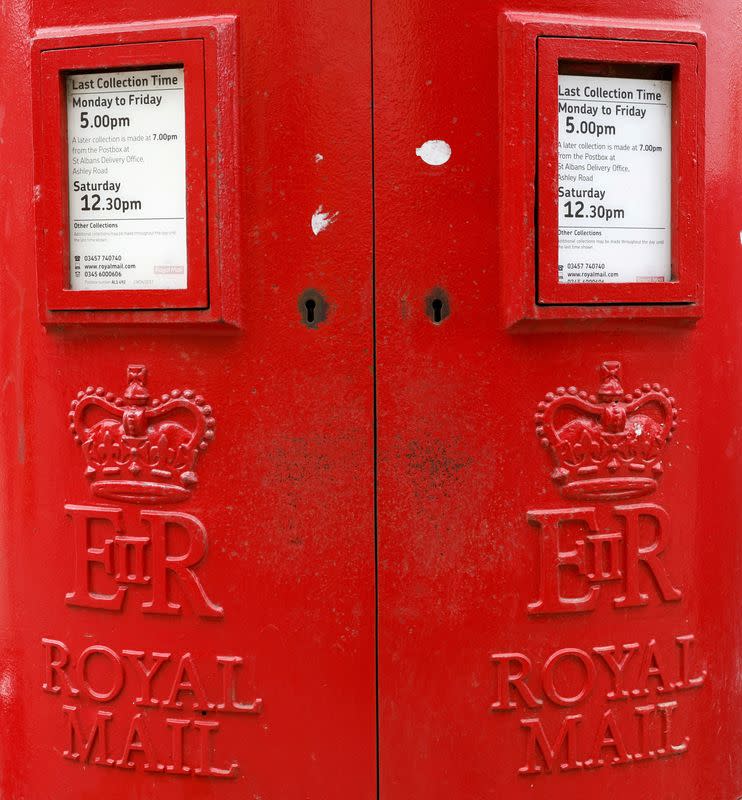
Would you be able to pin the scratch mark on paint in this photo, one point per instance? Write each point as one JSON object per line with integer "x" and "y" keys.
{"x": 434, "y": 152}
{"x": 318, "y": 157}
{"x": 322, "y": 220}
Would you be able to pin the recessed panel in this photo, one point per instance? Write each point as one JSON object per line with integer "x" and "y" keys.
{"x": 617, "y": 173}
{"x": 615, "y": 210}
{"x": 126, "y": 156}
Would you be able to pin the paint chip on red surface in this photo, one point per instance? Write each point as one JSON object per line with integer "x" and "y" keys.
{"x": 321, "y": 220}
{"x": 434, "y": 152}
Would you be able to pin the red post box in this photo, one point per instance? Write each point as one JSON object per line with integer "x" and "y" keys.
{"x": 195, "y": 616}
{"x": 369, "y": 390}
{"x": 556, "y": 460}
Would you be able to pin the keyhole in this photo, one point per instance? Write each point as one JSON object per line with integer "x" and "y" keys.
{"x": 313, "y": 308}
{"x": 437, "y": 306}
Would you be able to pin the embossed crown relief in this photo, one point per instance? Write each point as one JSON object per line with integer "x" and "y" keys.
{"x": 128, "y": 558}
{"x": 616, "y": 702}
{"x": 607, "y": 446}
{"x": 139, "y": 449}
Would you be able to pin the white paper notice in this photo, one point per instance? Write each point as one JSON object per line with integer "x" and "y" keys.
{"x": 614, "y": 180}
{"x": 127, "y": 179}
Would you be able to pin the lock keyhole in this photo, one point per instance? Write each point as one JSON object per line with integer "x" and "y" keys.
{"x": 313, "y": 308}
{"x": 437, "y": 306}
{"x": 437, "y": 309}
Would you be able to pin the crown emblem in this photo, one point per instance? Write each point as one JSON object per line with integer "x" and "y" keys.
{"x": 606, "y": 446}
{"x": 139, "y": 450}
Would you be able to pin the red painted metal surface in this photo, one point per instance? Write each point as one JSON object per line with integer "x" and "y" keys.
{"x": 218, "y": 582}
{"x": 263, "y": 570}
{"x": 512, "y": 588}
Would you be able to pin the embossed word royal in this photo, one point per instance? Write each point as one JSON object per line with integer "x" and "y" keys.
{"x": 176, "y": 684}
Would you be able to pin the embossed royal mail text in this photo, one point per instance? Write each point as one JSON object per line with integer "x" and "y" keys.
{"x": 625, "y": 699}
{"x": 167, "y": 726}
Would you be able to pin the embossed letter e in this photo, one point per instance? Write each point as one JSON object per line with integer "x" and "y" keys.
{"x": 86, "y": 555}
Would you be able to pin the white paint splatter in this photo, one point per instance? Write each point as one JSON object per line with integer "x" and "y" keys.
{"x": 434, "y": 152}
{"x": 318, "y": 157}
{"x": 6, "y": 687}
{"x": 321, "y": 220}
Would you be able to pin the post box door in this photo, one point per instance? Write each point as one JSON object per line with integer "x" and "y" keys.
{"x": 557, "y": 512}
{"x": 187, "y": 472}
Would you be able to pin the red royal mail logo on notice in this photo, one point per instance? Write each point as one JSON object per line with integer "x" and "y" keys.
{"x": 141, "y": 450}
